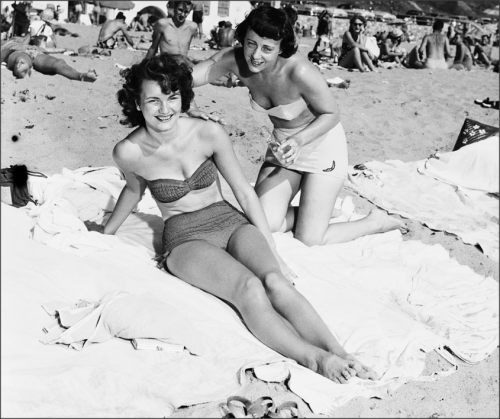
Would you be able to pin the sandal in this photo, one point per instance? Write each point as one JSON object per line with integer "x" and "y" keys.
{"x": 288, "y": 409}
{"x": 240, "y": 407}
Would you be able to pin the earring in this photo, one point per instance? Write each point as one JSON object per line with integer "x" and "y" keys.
{"x": 138, "y": 108}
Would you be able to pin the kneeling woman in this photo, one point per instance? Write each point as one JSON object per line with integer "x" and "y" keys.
{"x": 207, "y": 242}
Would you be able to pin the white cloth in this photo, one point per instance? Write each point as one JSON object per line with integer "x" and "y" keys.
{"x": 36, "y": 29}
{"x": 400, "y": 188}
{"x": 387, "y": 300}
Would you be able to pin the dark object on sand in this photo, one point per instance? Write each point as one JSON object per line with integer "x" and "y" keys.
{"x": 15, "y": 177}
{"x": 472, "y": 132}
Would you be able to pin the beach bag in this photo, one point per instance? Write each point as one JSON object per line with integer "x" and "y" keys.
{"x": 474, "y": 131}
{"x": 38, "y": 39}
{"x": 14, "y": 184}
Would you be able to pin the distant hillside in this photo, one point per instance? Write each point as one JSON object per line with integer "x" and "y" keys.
{"x": 467, "y": 8}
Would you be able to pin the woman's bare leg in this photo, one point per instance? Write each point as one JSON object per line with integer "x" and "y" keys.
{"x": 214, "y": 270}
{"x": 49, "y": 65}
{"x": 366, "y": 59}
{"x": 277, "y": 186}
{"x": 248, "y": 246}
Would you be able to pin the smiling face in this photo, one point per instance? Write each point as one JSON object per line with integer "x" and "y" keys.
{"x": 260, "y": 53}
{"x": 357, "y": 26}
{"x": 161, "y": 111}
{"x": 181, "y": 12}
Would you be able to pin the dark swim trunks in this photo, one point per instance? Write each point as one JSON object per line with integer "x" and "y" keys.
{"x": 197, "y": 16}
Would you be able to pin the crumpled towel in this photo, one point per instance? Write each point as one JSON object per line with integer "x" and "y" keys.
{"x": 475, "y": 166}
{"x": 123, "y": 315}
{"x": 400, "y": 188}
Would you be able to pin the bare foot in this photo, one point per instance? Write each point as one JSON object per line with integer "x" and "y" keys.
{"x": 90, "y": 76}
{"x": 362, "y": 371}
{"x": 384, "y": 222}
{"x": 335, "y": 368}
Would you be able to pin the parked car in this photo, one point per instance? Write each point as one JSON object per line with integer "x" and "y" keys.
{"x": 417, "y": 16}
{"x": 381, "y": 16}
{"x": 314, "y": 8}
{"x": 460, "y": 18}
{"x": 444, "y": 18}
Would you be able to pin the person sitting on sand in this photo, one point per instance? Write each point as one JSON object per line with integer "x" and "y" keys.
{"x": 435, "y": 48}
{"x": 324, "y": 33}
{"x": 42, "y": 27}
{"x": 482, "y": 51}
{"x": 206, "y": 241}
{"x": 107, "y": 35}
{"x": 354, "y": 53}
{"x": 308, "y": 149}
{"x": 20, "y": 58}
{"x": 389, "y": 46}
{"x": 225, "y": 36}
{"x": 463, "y": 55}
{"x": 141, "y": 23}
{"x": 174, "y": 35}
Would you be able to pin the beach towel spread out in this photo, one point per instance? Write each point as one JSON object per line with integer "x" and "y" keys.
{"x": 456, "y": 192}
{"x": 388, "y": 301}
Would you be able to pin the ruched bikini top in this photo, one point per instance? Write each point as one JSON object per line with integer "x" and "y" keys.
{"x": 170, "y": 190}
{"x": 287, "y": 112}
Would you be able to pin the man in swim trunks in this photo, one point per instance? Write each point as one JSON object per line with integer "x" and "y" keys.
{"x": 435, "y": 48}
{"x": 108, "y": 31}
{"x": 21, "y": 58}
{"x": 174, "y": 35}
{"x": 198, "y": 16}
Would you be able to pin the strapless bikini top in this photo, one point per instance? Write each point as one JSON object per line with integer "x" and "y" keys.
{"x": 287, "y": 112}
{"x": 170, "y": 190}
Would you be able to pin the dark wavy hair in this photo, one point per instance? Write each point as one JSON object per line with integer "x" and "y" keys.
{"x": 357, "y": 17}
{"x": 269, "y": 22}
{"x": 162, "y": 68}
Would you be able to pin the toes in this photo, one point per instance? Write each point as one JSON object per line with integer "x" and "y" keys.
{"x": 346, "y": 374}
{"x": 341, "y": 379}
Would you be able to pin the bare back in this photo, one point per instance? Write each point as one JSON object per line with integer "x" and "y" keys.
{"x": 110, "y": 28}
{"x": 436, "y": 45}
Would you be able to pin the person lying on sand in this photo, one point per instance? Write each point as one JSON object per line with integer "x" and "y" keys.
{"x": 107, "y": 35}
{"x": 308, "y": 148}
{"x": 207, "y": 242}
{"x": 435, "y": 48}
{"x": 21, "y": 58}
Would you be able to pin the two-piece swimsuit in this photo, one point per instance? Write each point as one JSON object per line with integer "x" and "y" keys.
{"x": 327, "y": 155}
{"x": 214, "y": 224}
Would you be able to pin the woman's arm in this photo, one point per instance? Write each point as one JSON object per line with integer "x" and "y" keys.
{"x": 315, "y": 92}
{"x": 218, "y": 65}
{"x": 353, "y": 43}
{"x": 131, "y": 193}
{"x": 228, "y": 165}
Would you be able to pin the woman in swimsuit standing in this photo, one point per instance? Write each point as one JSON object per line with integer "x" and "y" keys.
{"x": 312, "y": 154}
{"x": 207, "y": 242}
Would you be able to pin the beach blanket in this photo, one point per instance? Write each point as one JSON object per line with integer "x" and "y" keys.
{"x": 456, "y": 192}
{"x": 388, "y": 301}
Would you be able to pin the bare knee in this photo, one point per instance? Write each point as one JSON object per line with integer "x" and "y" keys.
{"x": 309, "y": 239}
{"x": 249, "y": 293}
{"x": 276, "y": 284}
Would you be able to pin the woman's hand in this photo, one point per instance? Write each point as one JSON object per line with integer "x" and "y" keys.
{"x": 289, "y": 150}
{"x": 93, "y": 226}
{"x": 195, "y": 112}
{"x": 285, "y": 269}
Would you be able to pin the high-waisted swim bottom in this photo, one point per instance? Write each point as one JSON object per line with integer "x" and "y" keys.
{"x": 327, "y": 155}
{"x": 214, "y": 224}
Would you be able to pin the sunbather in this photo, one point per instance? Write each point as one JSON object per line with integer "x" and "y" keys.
{"x": 21, "y": 58}
{"x": 206, "y": 241}
{"x": 354, "y": 52}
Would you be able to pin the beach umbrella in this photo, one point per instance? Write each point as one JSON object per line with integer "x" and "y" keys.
{"x": 120, "y": 5}
{"x": 154, "y": 11}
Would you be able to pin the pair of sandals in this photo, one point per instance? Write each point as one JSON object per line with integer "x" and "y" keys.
{"x": 263, "y": 407}
{"x": 487, "y": 103}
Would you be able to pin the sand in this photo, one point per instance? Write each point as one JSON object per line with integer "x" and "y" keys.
{"x": 395, "y": 114}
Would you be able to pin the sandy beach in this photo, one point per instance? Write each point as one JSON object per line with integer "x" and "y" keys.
{"x": 50, "y": 123}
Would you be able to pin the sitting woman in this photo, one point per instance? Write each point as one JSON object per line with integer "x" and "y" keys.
{"x": 389, "y": 46}
{"x": 21, "y": 58}
{"x": 206, "y": 241}
{"x": 354, "y": 53}
{"x": 463, "y": 55}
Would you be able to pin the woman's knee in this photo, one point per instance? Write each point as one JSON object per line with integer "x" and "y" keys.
{"x": 248, "y": 293}
{"x": 310, "y": 238}
{"x": 276, "y": 284}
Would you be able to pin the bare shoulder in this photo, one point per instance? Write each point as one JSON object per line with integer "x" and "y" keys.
{"x": 128, "y": 150}
{"x": 162, "y": 23}
{"x": 209, "y": 132}
{"x": 299, "y": 67}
